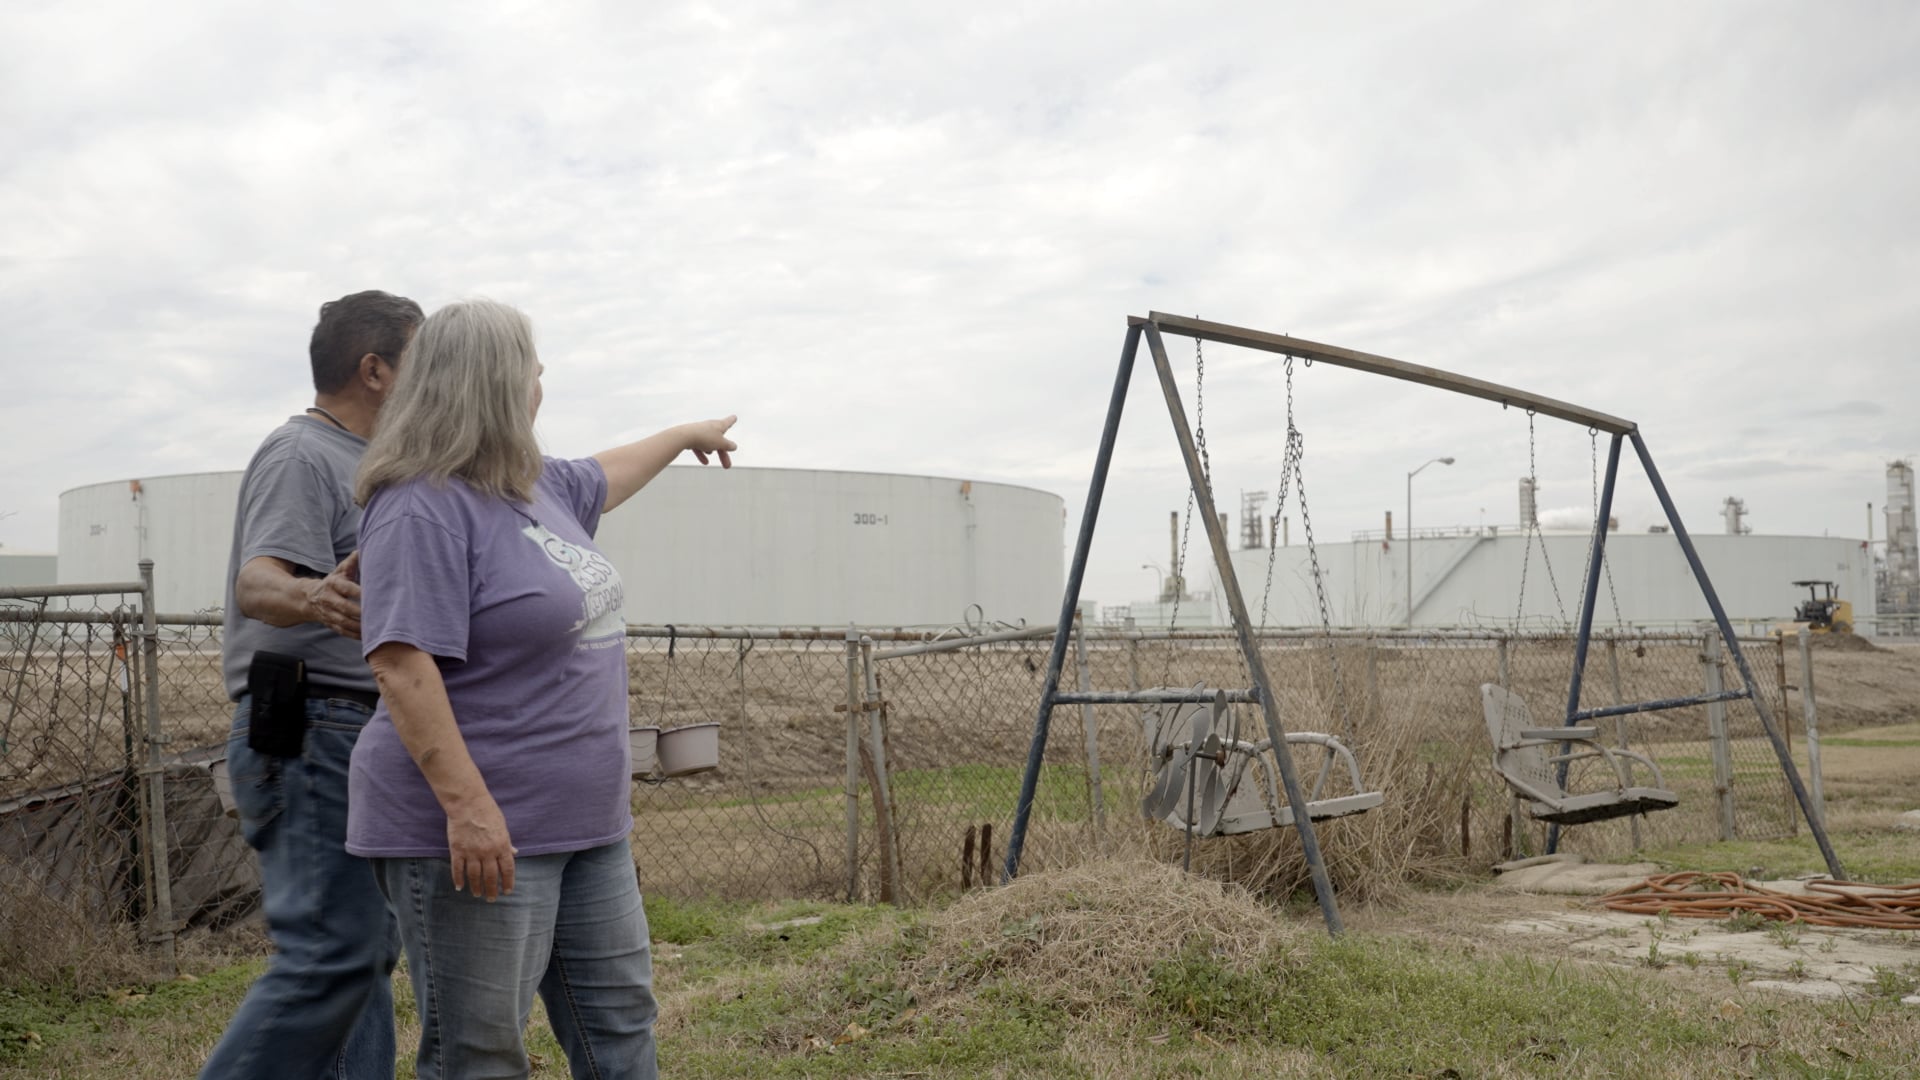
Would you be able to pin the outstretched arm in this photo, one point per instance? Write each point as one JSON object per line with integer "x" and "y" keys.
{"x": 629, "y": 468}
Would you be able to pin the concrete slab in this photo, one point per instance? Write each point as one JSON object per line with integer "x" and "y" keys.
{"x": 1570, "y": 875}
{"x": 1789, "y": 958}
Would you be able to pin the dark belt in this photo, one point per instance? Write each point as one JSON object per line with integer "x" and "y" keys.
{"x": 340, "y": 693}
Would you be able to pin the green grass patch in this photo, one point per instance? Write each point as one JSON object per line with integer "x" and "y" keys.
{"x": 1870, "y": 744}
{"x": 37, "y": 1025}
{"x": 823, "y": 990}
{"x": 1883, "y": 857}
{"x": 698, "y": 941}
{"x": 1357, "y": 1007}
{"x": 969, "y": 792}
{"x": 989, "y": 792}
{"x": 1381, "y": 1007}
{"x": 687, "y": 921}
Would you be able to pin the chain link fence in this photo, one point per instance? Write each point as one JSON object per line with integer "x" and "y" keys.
{"x": 73, "y": 876}
{"x": 771, "y": 822}
{"x": 881, "y": 765}
{"x": 1407, "y": 704}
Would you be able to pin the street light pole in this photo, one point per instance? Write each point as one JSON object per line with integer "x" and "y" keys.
{"x": 1160, "y": 579}
{"x": 1410, "y": 476}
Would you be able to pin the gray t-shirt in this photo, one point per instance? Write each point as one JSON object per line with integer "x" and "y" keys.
{"x": 296, "y": 503}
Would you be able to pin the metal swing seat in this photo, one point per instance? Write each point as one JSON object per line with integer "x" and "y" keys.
{"x": 1207, "y": 780}
{"x": 1210, "y": 782}
{"x": 1535, "y": 762}
{"x": 1527, "y": 757}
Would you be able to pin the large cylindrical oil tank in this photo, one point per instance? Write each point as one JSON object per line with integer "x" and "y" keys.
{"x": 1490, "y": 578}
{"x": 697, "y": 547}
{"x": 24, "y": 569}
{"x": 787, "y": 547}
{"x": 184, "y": 523}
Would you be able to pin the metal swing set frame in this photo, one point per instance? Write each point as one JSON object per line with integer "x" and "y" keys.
{"x": 1152, "y": 328}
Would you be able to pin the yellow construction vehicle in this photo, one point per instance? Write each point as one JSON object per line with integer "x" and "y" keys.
{"x": 1821, "y": 614}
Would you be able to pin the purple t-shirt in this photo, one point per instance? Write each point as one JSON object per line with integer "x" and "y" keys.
{"x": 523, "y": 615}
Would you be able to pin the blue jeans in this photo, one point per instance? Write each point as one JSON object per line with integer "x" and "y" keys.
{"x": 324, "y": 1007}
{"x": 572, "y": 931}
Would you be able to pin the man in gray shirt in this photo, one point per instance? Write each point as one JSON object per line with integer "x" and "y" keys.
{"x": 324, "y": 1007}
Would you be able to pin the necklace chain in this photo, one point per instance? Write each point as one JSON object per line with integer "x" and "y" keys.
{"x": 329, "y": 416}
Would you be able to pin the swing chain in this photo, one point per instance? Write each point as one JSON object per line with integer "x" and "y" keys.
{"x": 1319, "y": 579}
{"x": 1290, "y": 462}
{"x": 1200, "y": 414}
{"x": 1526, "y": 530}
{"x": 1546, "y": 558}
{"x": 1593, "y": 471}
{"x": 1532, "y": 530}
{"x": 1206, "y": 470}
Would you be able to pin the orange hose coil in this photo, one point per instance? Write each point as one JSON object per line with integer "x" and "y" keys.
{"x": 1693, "y": 895}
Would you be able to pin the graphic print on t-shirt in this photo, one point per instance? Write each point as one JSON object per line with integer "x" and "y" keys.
{"x": 601, "y": 595}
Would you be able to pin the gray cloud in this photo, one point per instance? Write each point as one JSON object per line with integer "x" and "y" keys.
{"x": 907, "y": 238}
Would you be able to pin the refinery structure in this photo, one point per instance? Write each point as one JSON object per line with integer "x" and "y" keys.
{"x": 1532, "y": 576}
{"x": 1897, "y": 573}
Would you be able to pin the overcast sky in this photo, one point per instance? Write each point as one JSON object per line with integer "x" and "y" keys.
{"x": 905, "y": 237}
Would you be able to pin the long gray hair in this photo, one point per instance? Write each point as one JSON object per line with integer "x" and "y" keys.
{"x": 462, "y": 406}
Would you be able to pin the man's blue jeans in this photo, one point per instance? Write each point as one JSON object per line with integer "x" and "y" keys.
{"x": 573, "y": 931}
{"x": 324, "y": 1007}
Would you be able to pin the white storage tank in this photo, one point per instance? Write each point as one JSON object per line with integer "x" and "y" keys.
{"x": 24, "y": 569}
{"x": 801, "y": 547}
{"x": 1474, "y": 579}
{"x": 698, "y": 547}
{"x": 184, "y": 523}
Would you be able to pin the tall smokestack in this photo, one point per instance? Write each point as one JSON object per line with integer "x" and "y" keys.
{"x": 1175, "y": 586}
{"x": 1903, "y": 545}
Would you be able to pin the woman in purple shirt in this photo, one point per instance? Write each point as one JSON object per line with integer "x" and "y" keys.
{"x": 491, "y": 788}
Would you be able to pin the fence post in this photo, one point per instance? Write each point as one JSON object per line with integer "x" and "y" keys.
{"x": 1786, "y": 724}
{"x": 1717, "y": 733}
{"x": 1133, "y": 657}
{"x": 885, "y": 833}
{"x": 1620, "y": 722}
{"x": 1810, "y": 713}
{"x": 1516, "y": 815}
{"x": 853, "y": 764}
{"x": 159, "y": 872}
{"x": 1092, "y": 729}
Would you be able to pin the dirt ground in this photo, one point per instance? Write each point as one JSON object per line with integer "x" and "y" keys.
{"x": 1701, "y": 954}
{"x": 1552, "y": 910}
{"x": 1859, "y": 684}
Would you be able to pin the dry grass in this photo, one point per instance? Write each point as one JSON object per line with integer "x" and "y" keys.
{"x": 1108, "y": 922}
{"x": 46, "y": 942}
{"x": 1083, "y": 939}
{"x": 771, "y": 822}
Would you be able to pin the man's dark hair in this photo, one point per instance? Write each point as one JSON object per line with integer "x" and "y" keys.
{"x": 353, "y": 326}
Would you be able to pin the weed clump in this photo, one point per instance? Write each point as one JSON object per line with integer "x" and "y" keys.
{"x": 1104, "y": 925}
